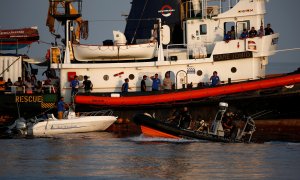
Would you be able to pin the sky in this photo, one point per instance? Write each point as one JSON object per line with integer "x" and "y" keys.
{"x": 282, "y": 14}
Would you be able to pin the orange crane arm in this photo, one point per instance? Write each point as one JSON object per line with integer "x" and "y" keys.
{"x": 51, "y": 20}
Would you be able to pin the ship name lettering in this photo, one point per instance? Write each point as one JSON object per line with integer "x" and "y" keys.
{"x": 231, "y": 56}
{"x": 29, "y": 99}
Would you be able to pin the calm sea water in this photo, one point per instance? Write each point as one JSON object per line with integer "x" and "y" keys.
{"x": 102, "y": 155}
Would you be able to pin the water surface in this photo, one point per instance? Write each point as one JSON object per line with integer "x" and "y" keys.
{"x": 102, "y": 155}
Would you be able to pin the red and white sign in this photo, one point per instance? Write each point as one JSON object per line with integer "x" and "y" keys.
{"x": 166, "y": 10}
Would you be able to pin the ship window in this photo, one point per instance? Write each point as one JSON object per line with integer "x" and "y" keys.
{"x": 80, "y": 78}
{"x": 131, "y": 76}
{"x": 203, "y": 29}
{"x": 233, "y": 69}
{"x": 241, "y": 25}
{"x": 230, "y": 27}
{"x": 199, "y": 73}
{"x": 106, "y": 77}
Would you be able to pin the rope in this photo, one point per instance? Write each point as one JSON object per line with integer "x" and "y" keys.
{"x": 291, "y": 49}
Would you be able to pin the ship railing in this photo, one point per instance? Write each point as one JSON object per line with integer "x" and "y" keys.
{"x": 249, "y": 129}
{"x": 194, "y": 51}
{"x": 176, "y": 47}
{"x": 47, "y": 89}
{"x": 17, "y": 89}
{"x": 206, "y": 8}
{"x": 108, "y": 112}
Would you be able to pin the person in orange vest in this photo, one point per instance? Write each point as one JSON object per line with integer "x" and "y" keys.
{"x": 2, "y": 85}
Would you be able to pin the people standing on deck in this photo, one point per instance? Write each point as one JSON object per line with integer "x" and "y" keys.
{"x": 167, "y": 82}
{"x": 143, "y": 84}
{"x": 232, "y": 32}
{"x": 33, "y": 80}
{"x": 39, "y": 87}
{"x": 61, "y": 108}
{"x": 215, "y": 80}
{"x": 227, "y": 36}
{"x": 2, "y": 85}
{"x": 75, "y": 86}
{"x": 125, "y": 86}
{"x": 268, "y": 30}
{"x": 252, "y": 33}
{"x": 244, "y": 34}
{"x": 155, "y": 83}
{"x": 8, "y": 85}
{"x": 28, "y": 85}
{"x": 87, "y": 85}
{"x": 19, "y": 83}
{"x": 261, "y": 31}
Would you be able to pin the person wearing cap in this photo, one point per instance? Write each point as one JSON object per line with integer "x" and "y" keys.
{"x": 61, "y": 108}
{"x": 155, "y": 83}
{"x": 87, "y": 85}
{"x": 75, "y": 85}
{"x": 143, "y": 84}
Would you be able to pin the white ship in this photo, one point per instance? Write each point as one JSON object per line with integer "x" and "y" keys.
{"x": 190, "y": 46}
{"x": 203, "y": 51}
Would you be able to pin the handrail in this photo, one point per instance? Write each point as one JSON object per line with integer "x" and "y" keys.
{"x": 205, "y": 8}
{"x": 187, "y": 47}
{"x": 108, "y": 112}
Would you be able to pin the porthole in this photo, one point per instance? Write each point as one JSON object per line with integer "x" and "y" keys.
{"x": 131, "y": 76}
{"x": 106, "y": 77}
{"x": 233, "y": 69}
{"x": 199, "y": 73}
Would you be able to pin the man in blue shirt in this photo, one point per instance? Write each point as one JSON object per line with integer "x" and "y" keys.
{"x": 125, "y": 86}
{"x": 244, "y": 34}
{"x": 155, "y": 83}
{"x": 227, "y": 36}
{"x": 215, "y": 80}
{"x": 75, "y": 85}
{"x": 61, "y": 108}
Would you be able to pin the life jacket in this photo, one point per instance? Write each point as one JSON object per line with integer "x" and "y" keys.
{"x": 2, "y": 85}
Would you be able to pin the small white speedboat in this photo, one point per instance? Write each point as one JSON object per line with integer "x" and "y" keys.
{"x": 72, "y": 123}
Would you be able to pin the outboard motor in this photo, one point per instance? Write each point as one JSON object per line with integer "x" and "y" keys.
{"x": 19, "y": 127}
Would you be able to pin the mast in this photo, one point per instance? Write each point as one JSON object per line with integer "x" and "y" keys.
{"x": 64, "y": 11}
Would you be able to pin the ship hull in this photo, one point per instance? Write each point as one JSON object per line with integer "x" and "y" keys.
{"x": 146, "y": 98}
{"x": 13, "y": 106}
{"x": 12, "y": 39}
{"x": 275, "y": 103}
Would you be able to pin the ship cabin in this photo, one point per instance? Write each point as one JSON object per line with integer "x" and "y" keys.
{"x": 206, "y": 24}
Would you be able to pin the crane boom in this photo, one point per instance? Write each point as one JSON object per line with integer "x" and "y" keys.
{"x": 81, "y": 30}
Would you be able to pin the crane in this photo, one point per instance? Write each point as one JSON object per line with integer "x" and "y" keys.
{"x": 62, "y": 10}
